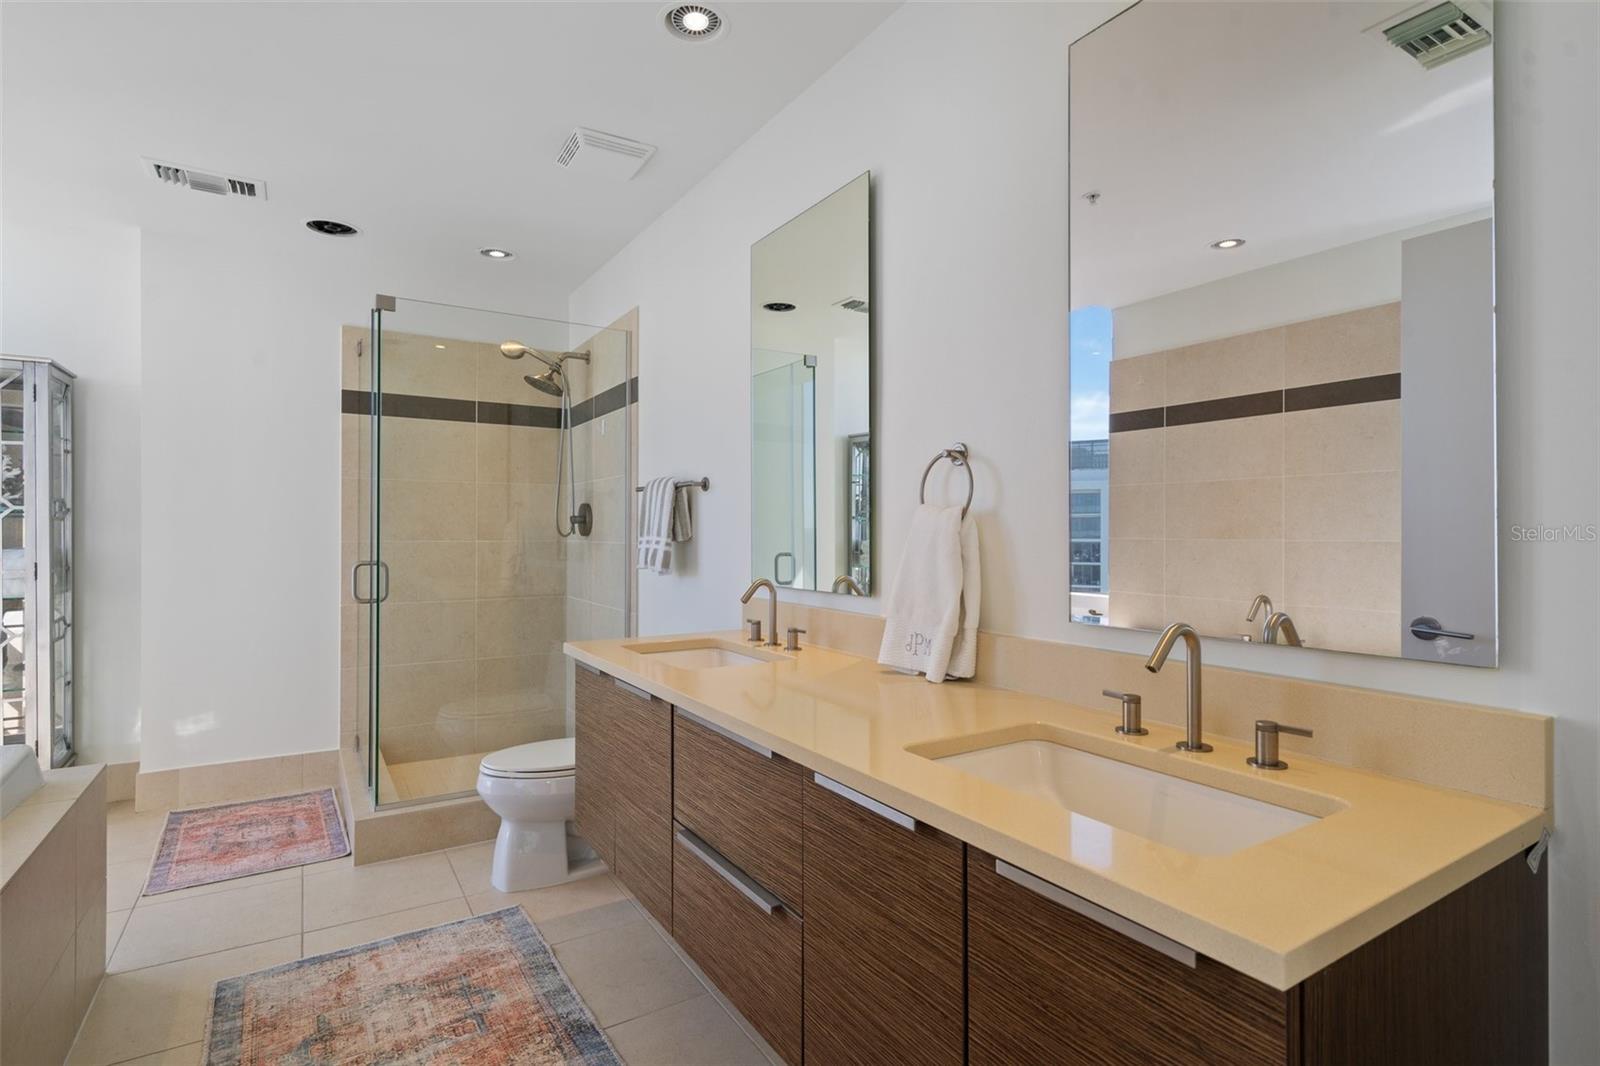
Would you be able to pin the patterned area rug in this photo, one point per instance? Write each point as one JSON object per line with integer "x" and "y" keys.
{"x": 239, "y": 839}
{"x": 484, "y": 991}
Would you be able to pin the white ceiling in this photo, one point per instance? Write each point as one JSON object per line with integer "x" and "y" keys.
{"x": 1282, "y": 123}
{"x": 432, "y": 127}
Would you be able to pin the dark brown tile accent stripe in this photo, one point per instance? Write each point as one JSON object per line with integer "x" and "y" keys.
{"x": 1247, "y": 406}
{"x": 1342, "y": 393}
{"x": 1147, "y": 418}
{"x": 484, "y": 412}
{"x": 1301, "y": 398}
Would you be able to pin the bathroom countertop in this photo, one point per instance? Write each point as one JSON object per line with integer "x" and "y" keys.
{"x": 1382, "y": 849}
{"x": 25, "y": 828}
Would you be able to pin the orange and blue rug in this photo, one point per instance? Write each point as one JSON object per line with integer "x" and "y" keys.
{"x": 481, "y": 990}
{"x": 212, "y": 844}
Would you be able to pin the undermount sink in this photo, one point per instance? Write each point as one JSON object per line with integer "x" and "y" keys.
{"x": 1180, "y": 814}
{"x": 702, "y": 654}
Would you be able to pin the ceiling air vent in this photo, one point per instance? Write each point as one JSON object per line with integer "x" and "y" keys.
{"x": 1438, "y": 35}
{"x": 204, "y": 181}
{"x": 854, "y": 303}
{"x": 606, "y": 155}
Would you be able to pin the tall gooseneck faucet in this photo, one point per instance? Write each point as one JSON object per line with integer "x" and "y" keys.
{"x": 772, "y": 607}
{"x": 1261, "y": 600}
{"x": 1192, "y": 741}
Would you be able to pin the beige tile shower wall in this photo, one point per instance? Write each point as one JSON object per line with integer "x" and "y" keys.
{"x": 1303, "y": 506}
{"x": 599, "y": 578}
{"x": 474, "y": 620}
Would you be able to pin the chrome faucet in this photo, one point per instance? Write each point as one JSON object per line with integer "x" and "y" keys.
{"x": 1261, "y": 600}
{"x": 772, "y": 607}
{"x": 849, "y": 584}
{"x": 1192, "y": 741}
{"x": 1279, "y": 622}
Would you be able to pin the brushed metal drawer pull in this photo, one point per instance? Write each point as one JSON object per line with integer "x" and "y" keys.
{"x": 729, "y": 872}
{"x": 632, "y": 690}
{"x": 882, "y": 810}
{"x": 581, "y": 665}
{"x": 1096, "y": 913}
{"x": 727, "y": 734}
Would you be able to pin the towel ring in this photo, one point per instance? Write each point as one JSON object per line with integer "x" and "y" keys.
{"x": 957, "y": 454}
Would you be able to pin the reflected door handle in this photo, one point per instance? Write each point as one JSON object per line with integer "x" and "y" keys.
{"x": 1428, "y": 628}
{"x": 776, "y": 559}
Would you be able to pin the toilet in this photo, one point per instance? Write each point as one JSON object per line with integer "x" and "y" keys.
{"x": 530, "y": 787}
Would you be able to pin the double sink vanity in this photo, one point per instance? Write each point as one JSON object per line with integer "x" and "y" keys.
{"x": 876, "y": 869}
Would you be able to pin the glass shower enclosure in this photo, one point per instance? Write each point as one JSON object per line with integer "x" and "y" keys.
{"x": 487, "y": 466}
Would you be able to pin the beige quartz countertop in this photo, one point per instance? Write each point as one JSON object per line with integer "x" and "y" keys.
{"x": 1381, "y": 850}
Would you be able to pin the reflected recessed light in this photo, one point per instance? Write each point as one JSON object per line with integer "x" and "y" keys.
{"x": 496, "y": 253}
{"x": 692, "y": 22}
{"x": 778, "y": 305}
{"x": 328, "y": 227}
{"x": 439, "y": 346}
{"x": 1228, "y": 242}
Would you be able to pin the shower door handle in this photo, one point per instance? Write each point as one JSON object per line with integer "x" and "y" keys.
{"x": 355, "y": 581}
{"x": 776, "y": 559}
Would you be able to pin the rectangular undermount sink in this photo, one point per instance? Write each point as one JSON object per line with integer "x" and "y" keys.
{"x": 1169, "y": 810}
{"x": 702, "y": 653}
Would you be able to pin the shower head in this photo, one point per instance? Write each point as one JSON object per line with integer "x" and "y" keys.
{"x": 545, "y": 383}
{"x": 516, "y": 350}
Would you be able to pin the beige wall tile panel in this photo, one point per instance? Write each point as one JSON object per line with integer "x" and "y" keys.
{"x": 516, "y": 511}
{"x": 1224, "y": 569}
{"x": 1213, "y": 617}
{"x": 608, "y": 574}
{"x": 1135, "y": 566}
{"x": 416, "y": 694}
{"x": 507, "y": 568}
{"x": 427, "y": 632}
{"x": 1138, "y": 457}
{"x": 1133, "y": 610}
{"x": 412, "y": 366}
{"x": 510, "y": 627}
{"x": 426, "y": 449}
{"x": 1369, "y": 632}
{"x": 516, "y": 683}
{"x": 350, "y": 342}
{"x": 1233, "y": 366}
{"x": 1356, "y": 344}
{"x": 1226, "y": 450}
{"x": 1365, "y": 576}
{"x": 427, "y": 510}
{"x": 1137, "y": 512}
{"x": 1247, "y": 509}
{"x": 524, "y": 454}
{"x": 427, "y": 571}
{"x": 608, "y": 441}
{"x": 1339, "y": 440}
{"x": 1138, "y": 383}
{"x": 449, "y": 735}
{"x": 500, "y": 379}
{"x": 1343, "y": 506}
{"x": 613, "y": 502}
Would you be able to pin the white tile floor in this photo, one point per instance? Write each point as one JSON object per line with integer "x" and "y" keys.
{"x": 166, "y": 952}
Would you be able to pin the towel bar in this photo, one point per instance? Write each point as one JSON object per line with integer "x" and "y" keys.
{"x": 704, "y": 485}
{"x": 957, "y": 454}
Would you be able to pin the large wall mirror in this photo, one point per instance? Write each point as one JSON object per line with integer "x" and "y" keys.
{"x": 811, "y": 398}
{"x": 1282, "y": 333}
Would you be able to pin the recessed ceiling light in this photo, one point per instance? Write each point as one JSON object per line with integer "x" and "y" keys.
{"x": 496, "y": 253}
{"x": 778, "y": 305}
{"x": 1227, "y": 243}
{"x": 692, "y": 22}
{"x": 330, "y": 228}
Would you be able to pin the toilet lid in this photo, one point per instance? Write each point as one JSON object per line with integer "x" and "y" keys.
{"x": 540, "y": 757}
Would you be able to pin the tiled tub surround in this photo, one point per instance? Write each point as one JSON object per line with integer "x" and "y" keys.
{"x": 1267, "y": 462}
{"x": 1380, "y": 850}
{"x": 479, "y": 597}
{"x": 52, "y": 913}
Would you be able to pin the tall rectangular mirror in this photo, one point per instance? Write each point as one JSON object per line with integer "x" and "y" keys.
{"x": 811, "y": 398}
{"x": 1282, "y": 354}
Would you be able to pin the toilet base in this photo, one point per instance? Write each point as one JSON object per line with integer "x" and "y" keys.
{"x": 529, "y": 855}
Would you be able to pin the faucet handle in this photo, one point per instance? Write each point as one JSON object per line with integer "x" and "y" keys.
{"x": 1299, "y": 731}
{"x": 792, "y": 643}
{"x": 1132, "y": 706}
{"x": 1266, "y": 756}
{"x": 753, "y": 630}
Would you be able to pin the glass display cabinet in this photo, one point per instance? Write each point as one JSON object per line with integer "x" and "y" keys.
{"x": 36, "y": 557}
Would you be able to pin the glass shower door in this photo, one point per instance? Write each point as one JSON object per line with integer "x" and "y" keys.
{"x": 784, "y": 533}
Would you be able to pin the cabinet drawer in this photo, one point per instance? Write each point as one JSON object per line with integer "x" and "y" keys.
{"x": 751, "y": 955}
{"x": 742, "y": 802}
{"x": 1047, "y": 983}
{"x": 594, "y": 729}
{"x": 644, "y": 859}
{"x": 884, "y": 937}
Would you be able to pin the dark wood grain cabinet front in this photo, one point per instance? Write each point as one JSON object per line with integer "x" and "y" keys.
{"x": 883, "y": 934}
{"x": 1047, "y": 983}
{"x": 593, "y": 799}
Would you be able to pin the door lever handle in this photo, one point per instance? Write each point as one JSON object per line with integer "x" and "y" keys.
{"x": 1428, "y": 628}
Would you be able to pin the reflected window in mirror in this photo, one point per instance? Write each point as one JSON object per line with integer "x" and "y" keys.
{"x": 810, "y": 397}
{"x": 1282, "y": 331}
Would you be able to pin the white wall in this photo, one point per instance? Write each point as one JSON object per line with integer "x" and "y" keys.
{"x": 962, "y": 121}
{"x": 71, "y": 293}
{"x": 240, "y": 522}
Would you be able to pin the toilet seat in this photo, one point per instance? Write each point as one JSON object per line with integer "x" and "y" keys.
{"x": 541, "y": 759}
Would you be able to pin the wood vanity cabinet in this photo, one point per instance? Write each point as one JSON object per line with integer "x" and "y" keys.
{"x": 736, "y": 855}
{"x": 884, "y": 935}
{"x": 623, "y": 785}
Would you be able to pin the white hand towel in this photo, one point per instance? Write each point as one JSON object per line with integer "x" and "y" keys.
{"x": 932, "y": 618}
{"x": 657, "y": 503}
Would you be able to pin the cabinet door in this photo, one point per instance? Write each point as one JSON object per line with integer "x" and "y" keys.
{"x": 641, "y": 780}
{"x": 1047, "y": 983}
{"x": 743, "y": 800}
{"x": 743, "y": 936}
{"x": 592, "y": 799}
{"x": 883, "y": 933}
